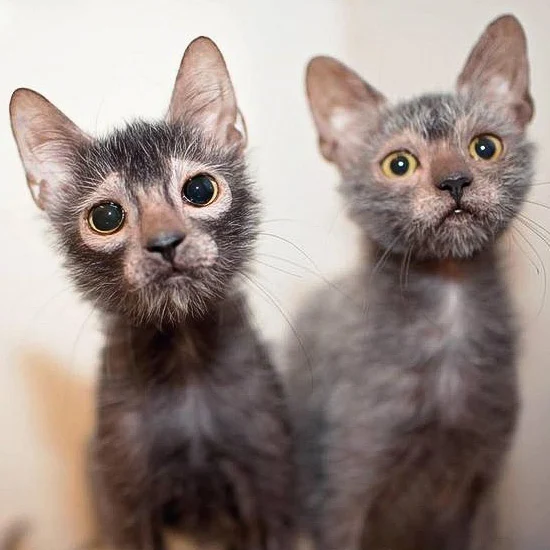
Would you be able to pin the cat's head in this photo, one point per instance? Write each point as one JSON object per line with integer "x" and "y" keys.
{"x": 443, "y": 175}
{"x": 156, "y": 218}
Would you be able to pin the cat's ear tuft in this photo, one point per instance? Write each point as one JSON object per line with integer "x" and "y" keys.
{"x": 342, "y": 105}
{"x": 203, "y": 95}
{"x": 47, "y": 141}
{"x": 498, "y": 69}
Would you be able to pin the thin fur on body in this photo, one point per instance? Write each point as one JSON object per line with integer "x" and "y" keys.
{"x": 406, "y": 405}
{"x": 192, "y": 431}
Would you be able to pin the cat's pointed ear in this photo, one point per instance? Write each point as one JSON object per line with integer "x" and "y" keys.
{"x": 498, "y": 69}
{"x": 47, "y": 141}
{"x": 343, "y": 107}
{"x": 203, "y": 94}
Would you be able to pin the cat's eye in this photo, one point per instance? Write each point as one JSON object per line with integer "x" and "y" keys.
{"x": 486, "y": 147}
{"x": 200, "y": 190}
{"x": 106, "y": 218}
{"x": 399, "y": 164}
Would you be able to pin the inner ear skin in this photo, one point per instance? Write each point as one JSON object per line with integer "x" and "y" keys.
{"x": 497, "y": 70}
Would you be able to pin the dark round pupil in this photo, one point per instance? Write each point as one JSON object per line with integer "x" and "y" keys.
{"x": 485, "y": 148}
{"x": 107, "y": 217}
{"x": 199, "y": 190}
{"x": 399, "y": 165}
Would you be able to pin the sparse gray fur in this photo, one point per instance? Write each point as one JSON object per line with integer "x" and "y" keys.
{"x": 405, "y": 400}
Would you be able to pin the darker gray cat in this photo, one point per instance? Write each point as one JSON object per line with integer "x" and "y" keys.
{"x": 407, "y": 402}
{"x": 156, "y": 221}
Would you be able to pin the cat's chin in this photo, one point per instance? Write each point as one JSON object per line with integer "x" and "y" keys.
{"x": 459, "y": 234}
{"x": 458, "y": 215}
{"x": 168, "y": 300}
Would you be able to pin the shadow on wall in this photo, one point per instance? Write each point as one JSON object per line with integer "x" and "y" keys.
{"x": 61, "y": 406}
{"x": 62, "y": 411}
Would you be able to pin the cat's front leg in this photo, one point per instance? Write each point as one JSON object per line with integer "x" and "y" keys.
{"x": 119, "y": 479}
{"x": 264, "y": 487}
{"x": 476, "y": 528}
{"x": 124, "y": 518}
{"x": 483, "y": 528}
{"x": 343, "y": 504}
{"x": 279, "y": 505}
{"x": 341, "y": 522}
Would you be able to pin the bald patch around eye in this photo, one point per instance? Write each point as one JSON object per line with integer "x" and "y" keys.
{"x": 182, "y": 172}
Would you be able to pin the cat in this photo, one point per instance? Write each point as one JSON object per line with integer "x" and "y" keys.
{"x": 405, "y": 400}
{"x": 156, "y": 221}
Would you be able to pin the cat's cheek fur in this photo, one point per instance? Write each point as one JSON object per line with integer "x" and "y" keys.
{"x": 102, "y": 243}
{"x": 140, "y": 271}
{"x": 200, "y": 250}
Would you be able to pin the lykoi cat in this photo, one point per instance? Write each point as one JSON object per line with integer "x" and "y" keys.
{"x": 156, "y": 222}
{"x": 407, "y": 404}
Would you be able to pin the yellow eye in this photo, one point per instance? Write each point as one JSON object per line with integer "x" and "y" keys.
{"x": 399, "y": 164}
{"x": 485, "y": 147}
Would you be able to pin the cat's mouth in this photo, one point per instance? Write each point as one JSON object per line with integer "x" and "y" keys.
{"x": 171, "y": 275}
{"x": 460, "y": 214}
{"x": 177, "y": 272}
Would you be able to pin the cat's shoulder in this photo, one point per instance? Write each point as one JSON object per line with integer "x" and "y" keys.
{"x": 334, "y": 299}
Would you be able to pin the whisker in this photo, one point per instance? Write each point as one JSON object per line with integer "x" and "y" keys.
{"x": 404, "y": 260}
{"x": 377, "y": 266}
{"x": 538, "y": 204}
{"x": 408, "y": 268}
{"x": 525, "y": 253}
{"x": 383, "y": 258}
{"x": 36, "y": 313}
{"x": 543, "y": 301}
{"x": 312, "y": 272}
{"x": 278, "y": 220}
{"x": 286, "y": 260}
{"x": 274, "y": 302}
{"x": 295, "y": 246}
{"x": 332, "y": 224}
{"x": 540, "y": 231}
{"x": 79, "y": 335}
{"x": 280, "y": 269}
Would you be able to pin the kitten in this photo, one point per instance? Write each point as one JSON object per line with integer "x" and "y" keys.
{"x": 406, "y": 406}
{"x": 156, "y": 221}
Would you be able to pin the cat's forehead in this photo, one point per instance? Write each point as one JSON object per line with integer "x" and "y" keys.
{"x": 442, "y": 119}
{"x": 142, "y": 154}
{"x": 431, "y": 117}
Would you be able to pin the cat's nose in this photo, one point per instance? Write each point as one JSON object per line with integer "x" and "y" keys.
{"x": 165, "y": 244}
{"x": 455, "y": 184}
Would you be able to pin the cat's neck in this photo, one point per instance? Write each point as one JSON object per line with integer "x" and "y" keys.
{"x": 410, "y": 290}
{"x": 452, "y": 270}
{"x": 149, "y": 352}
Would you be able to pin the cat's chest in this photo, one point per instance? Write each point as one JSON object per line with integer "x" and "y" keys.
{"x": 181, "y": 422}
{"x": 446, "y": 342}
{"x": 445, "y": 330}
{"x": 454, "y": 347}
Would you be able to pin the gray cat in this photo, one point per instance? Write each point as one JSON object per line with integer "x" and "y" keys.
{"x": 406, "y": 399}
{"x": 156, "y": 222}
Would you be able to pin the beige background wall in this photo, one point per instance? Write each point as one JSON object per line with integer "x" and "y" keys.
{"x": 103, "y": 62}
